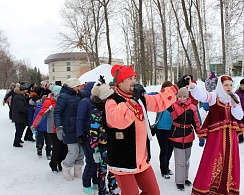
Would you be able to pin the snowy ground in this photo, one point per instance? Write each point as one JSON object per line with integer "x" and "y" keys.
{"x": 23, "y": 173}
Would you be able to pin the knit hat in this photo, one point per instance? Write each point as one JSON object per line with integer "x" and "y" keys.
{"x": 182, "y": 92}
{"x": 73, "y": 82}
{"x": 12, "y": 85}
{"x": 55, "y": 90}
{"x": 23, "y": 87}
{"x": 242, "y": 81}
{"x": 35, "y": 98}
{"x": 102, "y": 91}
{"x": 121, "y": 72}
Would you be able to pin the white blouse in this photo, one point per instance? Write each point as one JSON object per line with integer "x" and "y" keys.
{"x": 210, "y": 97}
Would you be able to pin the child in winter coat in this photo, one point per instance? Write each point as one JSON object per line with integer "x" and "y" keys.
{"x": 185, "y": 120}
{"x": 98, "y": 139}
{"x": 41, "y": 134}
{"x": 59, "y": 149}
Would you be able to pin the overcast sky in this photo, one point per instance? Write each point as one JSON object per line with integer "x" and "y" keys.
{"x": 30, "y": 27}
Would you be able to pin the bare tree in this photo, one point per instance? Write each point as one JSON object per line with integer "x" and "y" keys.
{"x": 83, "y": 23}
{"x": 105, "y": 7}
{"x": 161, "y": 11}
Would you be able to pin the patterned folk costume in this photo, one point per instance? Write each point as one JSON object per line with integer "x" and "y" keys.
{"x": 219, "y": 169}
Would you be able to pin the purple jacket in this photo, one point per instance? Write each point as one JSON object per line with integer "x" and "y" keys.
{"x": 240, "y": 93}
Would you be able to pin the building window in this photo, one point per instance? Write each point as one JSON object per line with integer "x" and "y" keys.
{"x": 53, "y": 78}
{"x": 53, "y": 69}
{"x": 68, "y": 76}
{"x": 52, "y": 64}
{"x": 68, "y": 66}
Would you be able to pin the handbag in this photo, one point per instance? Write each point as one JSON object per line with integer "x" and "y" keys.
{"x": 154, "y": 126}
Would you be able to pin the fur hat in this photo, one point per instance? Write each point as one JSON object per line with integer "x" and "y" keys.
{"x": 55, "y": 90}
{"x": 182, "y": 92}
{"x": 121, "y": 72}
{"x": 102, "y": 91}
{"x": 17, "y": 85}
{"x": 23, "y": 87}
{"x": 242, "y": 81}
{"x": 73, "y": 82}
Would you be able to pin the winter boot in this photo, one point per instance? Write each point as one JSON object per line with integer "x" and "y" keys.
{"x": 17, "y": 145}
{"x": 39, "y": 153}
{"x": 89, "y": 191}
{"x": 66, "y": 172}
{"x": 78, "y": 171}
{"x": 95, "y": 186}
{"x": 180, "y": 187}
{"x": 60, "y": 167}
{"x": 53, "y": 167}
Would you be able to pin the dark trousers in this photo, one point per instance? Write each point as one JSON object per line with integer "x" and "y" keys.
{"x": 19, "y": 129}
{"x": 240, "y": 137}
{"x": 90, "y": 170}
{"x": 40, "y": 138}
{"x": 28, "y": 134}
{"x": 165, "y": 150}
{"x": 10, "y": 113}
{"x": 59, "y": 150}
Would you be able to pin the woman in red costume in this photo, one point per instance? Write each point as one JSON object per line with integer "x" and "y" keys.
{"x": 219, "y": 169}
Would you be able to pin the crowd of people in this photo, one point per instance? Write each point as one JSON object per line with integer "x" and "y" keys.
{"x": 101, "y": 131}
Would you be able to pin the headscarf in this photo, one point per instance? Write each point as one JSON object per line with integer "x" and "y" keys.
{"x": 221, "y": 94}
{"x": 212, "y": 75}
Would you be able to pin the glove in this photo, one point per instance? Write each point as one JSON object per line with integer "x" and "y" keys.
{"x": 60, "y": 133}
{"x": 81, "y": 140}
{"x": 33, "y": 129}
{"x": 97, "y": 157}
{"x": 137, "y": 91}
{"x": 201, "y": 142}
{"x": 183, "y": 82}
{"x": 101, "y": 79}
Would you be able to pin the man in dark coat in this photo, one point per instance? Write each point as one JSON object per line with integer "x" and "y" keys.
{"x": 65, "y": 116}
{"x": 19, "y": 113}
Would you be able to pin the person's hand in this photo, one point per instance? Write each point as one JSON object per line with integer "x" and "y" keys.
{"x": 138, "y": 90}
{"x": 97, "y": 157}
{"x": 81, "y": 140}
{"x": 33, "y": 129}
{"x": 184, "y": 81}
{"x": 60, "y": 133}
{"x": 201, "y": 142}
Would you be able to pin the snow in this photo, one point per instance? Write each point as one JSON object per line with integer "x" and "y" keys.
{"x": 22, "y": 172}
{"x": 94, "y": 74}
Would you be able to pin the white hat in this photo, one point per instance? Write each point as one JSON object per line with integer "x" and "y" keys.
{"x": 103, "y": 91}
{"x": 73, "y": 82}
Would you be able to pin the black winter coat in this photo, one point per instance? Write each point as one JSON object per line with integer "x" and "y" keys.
{"x": 19, "y": 107}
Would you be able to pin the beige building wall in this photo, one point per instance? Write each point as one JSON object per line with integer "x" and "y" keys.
{"x": 62, "y": 66}
{"x": 63, "y": 70}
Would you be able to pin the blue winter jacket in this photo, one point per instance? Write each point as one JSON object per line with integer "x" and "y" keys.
{"x": 165, "y": 120}
{"x": 85, "y": 108}
{"x": 43, "y": 125}
{"x": 65, "y": 113}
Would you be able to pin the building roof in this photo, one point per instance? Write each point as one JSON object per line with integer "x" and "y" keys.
{"x": 66, "y": 57}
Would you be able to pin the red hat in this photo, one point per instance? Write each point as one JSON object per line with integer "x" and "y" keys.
{"x": 121, "y": 72}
